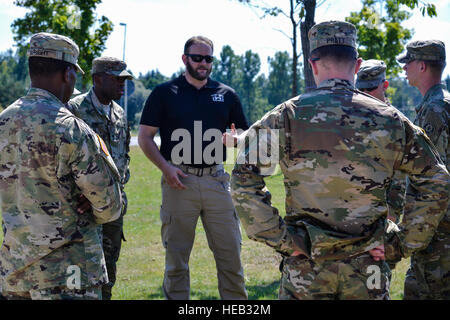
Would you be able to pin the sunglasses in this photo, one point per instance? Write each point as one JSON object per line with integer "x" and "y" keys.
{"x": 199, "y": 58}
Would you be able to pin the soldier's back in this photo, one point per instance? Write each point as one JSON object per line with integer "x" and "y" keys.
{"x": 342, "y": 149}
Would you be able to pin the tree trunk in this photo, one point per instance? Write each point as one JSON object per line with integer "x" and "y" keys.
{"x": 310, "y": 8}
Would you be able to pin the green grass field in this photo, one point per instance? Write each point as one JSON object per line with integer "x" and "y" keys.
{"x": 141, "y": 263}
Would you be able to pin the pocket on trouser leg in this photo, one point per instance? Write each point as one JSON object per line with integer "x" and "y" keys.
{"x": 165, "y": 222}
{"x": 297, "y": 279}
{"x": 224, "y": 179}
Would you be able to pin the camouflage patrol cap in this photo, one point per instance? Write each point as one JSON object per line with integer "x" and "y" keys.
{"x": 431, "y": 50}
{"x": 332, "y": 33}
{"x": 371, "y": 74}
{"x": 112, "y": 66}
{"x": 54, "y": 46}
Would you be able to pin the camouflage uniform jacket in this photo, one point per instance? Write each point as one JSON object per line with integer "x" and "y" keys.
{"x": 396, "y": 192}
{"x": 113, "y": 128}
{"x": 433, "y": 115}
{"x": 48, "y": 158}
{"x": 338, "y": 150}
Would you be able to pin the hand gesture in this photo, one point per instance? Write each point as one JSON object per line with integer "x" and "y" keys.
{"x": 171, "y": 174}
{"x": 229, "y": 139}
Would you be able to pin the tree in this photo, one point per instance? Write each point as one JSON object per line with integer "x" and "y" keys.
{"x": 298, "y": 10}
{"x": 136, "y": 102}
{"x": 13, "y": 83}
{"x": 227, "y": 68}
{"x": 251, "y": 64}
{"x": 403, "y": 96}
{"x": 73, "y": 18}
{"x": 279, "y": 86}
{"x": 381, "y": 37}
{"x": 303, "y": 15}
{"x": 152, "y": 78}
{"x": 309, "y": 13}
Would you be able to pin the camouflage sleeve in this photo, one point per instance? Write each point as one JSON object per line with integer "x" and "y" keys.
{"x": 258, "y": 156}
{"x": 94, "y": 171}
{"x": 435, "y": 123}
{"x": 73, "y": 107}
{"x": 395, "y": 196}
{"x": 428, "y": 195}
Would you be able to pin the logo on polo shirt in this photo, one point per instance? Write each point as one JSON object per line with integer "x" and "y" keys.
{"x": 217, "y": 97}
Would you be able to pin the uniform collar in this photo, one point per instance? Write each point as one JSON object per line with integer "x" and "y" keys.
{"x": 184, "y": 83}
{"x": 335, "y": 82}
{"x": 98, "y": 106}
{"x": 44, "y": 94}
{"x": 430, "y": 92}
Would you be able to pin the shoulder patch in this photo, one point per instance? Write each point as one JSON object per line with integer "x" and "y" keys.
{"x": 103, "y": 145}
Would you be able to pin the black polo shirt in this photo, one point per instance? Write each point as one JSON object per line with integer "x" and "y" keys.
{"x": 176, "y": 104}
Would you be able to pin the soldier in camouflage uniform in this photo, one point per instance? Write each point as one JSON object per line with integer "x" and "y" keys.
{"x": 429, "y": 274}
{"x": 58, "y": 183}
{"x": 371, "y": 79}
{"x": 99, "y": 110}
{"x": 338, "y": 150}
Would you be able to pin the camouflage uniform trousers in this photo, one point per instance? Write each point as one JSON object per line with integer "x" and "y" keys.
{"x": 358, "y": 278}
{"x": 112, "y": 243}
{"x": 58, "y": 293}
{"x": 428, "y": 277}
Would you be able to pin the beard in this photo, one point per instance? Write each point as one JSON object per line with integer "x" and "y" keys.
{"x": 195, "y": 74}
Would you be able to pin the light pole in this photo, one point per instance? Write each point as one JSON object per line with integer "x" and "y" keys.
{"x": 125, "y": 98}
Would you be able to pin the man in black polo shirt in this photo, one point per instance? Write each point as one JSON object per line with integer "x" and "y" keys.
{"x": 191, "y": 113}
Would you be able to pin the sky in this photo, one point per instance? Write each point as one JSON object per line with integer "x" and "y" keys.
{"x": 156, "y": 30}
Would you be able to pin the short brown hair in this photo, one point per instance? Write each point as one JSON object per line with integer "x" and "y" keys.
{"x": 195, "y": 40}
{"x": 436, "y": 67}
{"x": 336, "y": 52}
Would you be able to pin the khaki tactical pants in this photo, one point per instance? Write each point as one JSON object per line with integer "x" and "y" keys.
{"x": 207, "y": 196}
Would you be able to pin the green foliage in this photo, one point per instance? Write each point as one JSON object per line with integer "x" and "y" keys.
{"x": 280, "y": 75}
{"x": 152, "y": 78}
{"x": 427, "y": 8}
{"x": 250, "y": 66}
{"x": 381, "y": 37}
{"x": 12, "y": 82}
{"x": 226, "y": 69}
{"x": 241, "y": 73}
{"x": 404, "y": 97}
{"x": 136, "y": 102}
{"x": 298, "y": 11}
{"x": 73, "y": 18}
